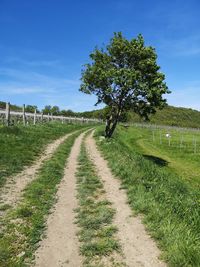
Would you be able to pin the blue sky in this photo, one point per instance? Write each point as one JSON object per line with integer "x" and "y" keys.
{"x": 44, "y": 43}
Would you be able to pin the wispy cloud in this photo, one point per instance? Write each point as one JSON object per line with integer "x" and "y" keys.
{"x": 32, "y": 63}
{"x": 188, "y": 46}
{"x": 19, "y": 90}
{"x": 31, "y": 78}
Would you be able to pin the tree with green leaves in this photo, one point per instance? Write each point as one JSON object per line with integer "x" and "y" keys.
{"x": 125, "y": 76}
{"x": 47, "y": 110}
{"x": 55, "y": 110}
{"x": 31, "y": 108}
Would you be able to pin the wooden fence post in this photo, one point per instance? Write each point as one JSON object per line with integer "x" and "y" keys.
{"x": 7, "y": 114}
{"x": 34, "y": 119}
{"x": 24, "y": 115}
{"x": 42, "y": 116}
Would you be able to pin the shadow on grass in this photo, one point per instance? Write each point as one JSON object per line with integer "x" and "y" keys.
{"x": 159, "y": 161}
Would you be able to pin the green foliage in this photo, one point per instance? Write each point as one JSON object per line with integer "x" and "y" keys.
{"x": 47, "y": 110}
{"x": 55, "y": 110}
{"x": 125, "y": 76}
{"x": 12, "y": 107}
{"x": 22, "y": 227}
{"x": 170, "y": 207}
{"x": 20, "y": 145}
{"x": 31, "y": 109}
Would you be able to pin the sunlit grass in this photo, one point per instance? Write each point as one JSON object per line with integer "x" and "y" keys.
{"x": 180, "y": 152}
{"x": 170, "y": 206}
{"x": 23, "y": 226}
{"x": 19, "y": 146}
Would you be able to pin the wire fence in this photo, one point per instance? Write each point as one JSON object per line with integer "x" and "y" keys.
{"x": 9, "y": 117}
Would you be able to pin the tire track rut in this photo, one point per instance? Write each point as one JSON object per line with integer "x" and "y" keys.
{"x": 11, "y": 193}
{"x": 138, "y": 247}
{"x": 60, "y": 248}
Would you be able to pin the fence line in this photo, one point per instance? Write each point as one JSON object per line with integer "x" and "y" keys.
{"x": 167, "y": 127}
{"x": 40, "y": 117}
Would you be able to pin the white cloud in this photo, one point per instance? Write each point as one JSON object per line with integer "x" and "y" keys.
{"x": 25, "y": 82}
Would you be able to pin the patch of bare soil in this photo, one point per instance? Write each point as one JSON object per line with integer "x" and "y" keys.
{"x": 60, "y": 248}
{"x": 138, "y": 248}
{"x": 10, "y": 194}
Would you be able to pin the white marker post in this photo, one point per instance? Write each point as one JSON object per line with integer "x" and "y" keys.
{"x": 168, "y": 137}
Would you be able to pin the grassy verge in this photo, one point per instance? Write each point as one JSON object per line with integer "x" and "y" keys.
{"x": 180, "y": 153}
{"x": 23, "y": 226}
{"x": 94, "y": 217}
{"x": 21, "y": 145}
{"x": 170, "y": 207}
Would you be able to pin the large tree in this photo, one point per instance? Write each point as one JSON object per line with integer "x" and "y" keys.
{"x": 125, "y": 76}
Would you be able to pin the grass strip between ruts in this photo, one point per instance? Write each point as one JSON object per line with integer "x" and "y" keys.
{"x": 23, "y": 226}
{"x": 171, "y": 209}
{"x": 94, "y": 218}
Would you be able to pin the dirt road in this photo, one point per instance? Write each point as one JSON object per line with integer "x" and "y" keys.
{"x": 60, "y": 247}
{"x": 138, "y": 248}
{"x": 10, "y": 194}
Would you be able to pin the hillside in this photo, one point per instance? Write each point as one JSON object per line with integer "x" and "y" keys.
{"x": 173, "y": 116}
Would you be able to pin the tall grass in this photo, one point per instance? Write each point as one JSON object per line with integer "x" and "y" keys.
{"x": 169, "y": 206}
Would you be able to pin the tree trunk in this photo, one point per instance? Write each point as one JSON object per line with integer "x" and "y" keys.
{"x": 108, "y": 126}
{"x": 111, "y": 124}
{"x": 111, "y": 130}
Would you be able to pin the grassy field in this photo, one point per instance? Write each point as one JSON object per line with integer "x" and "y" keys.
{"x": 159, "y": 189}
{"x": 179, "y": 153}
{"x": 23, "y": 226}
{"x": 19, "y": 146}
{"x": 173, "y": 116}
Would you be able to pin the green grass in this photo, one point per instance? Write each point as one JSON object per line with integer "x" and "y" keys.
{"x": 94, "y": 217}
{"x": 23, "y": 226}
{"x": 179, "y": 154}
{"x": 172, "y": 116}
{"x": 170, "y": 207}
{"x": 19, "y": 146}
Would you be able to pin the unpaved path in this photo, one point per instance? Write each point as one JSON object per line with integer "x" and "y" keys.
{"x": 138, "y": 248}
{"x": 60, "y": 248}
{"x": 10, "y": 194}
